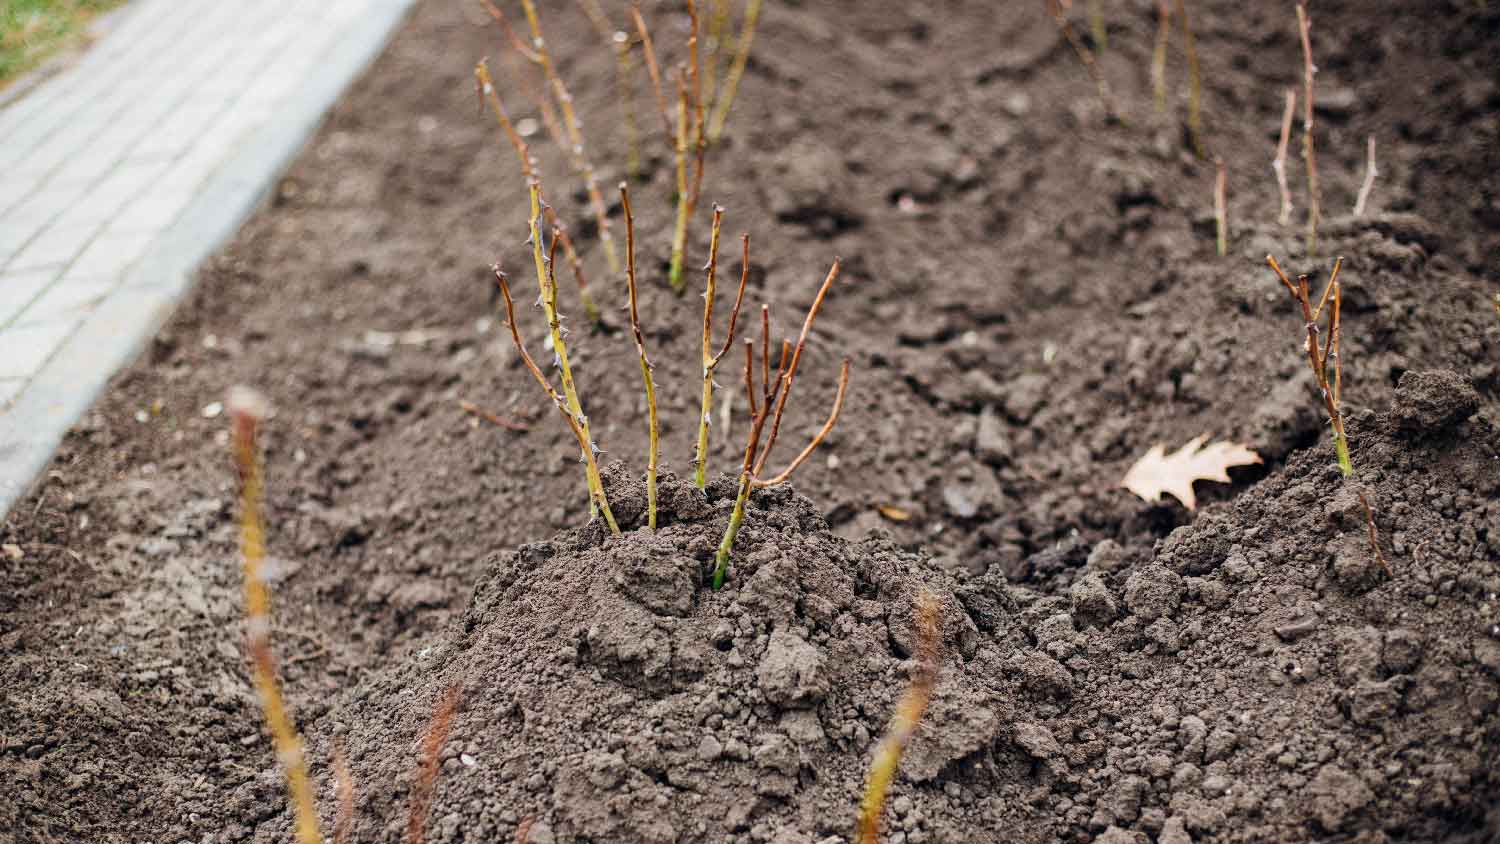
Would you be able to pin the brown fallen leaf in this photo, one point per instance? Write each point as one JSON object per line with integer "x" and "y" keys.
{"x": 1157, "y": 472}
{"x": 894, "y": 513}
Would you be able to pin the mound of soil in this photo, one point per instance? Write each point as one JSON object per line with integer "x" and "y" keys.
{"x": 1256, "y": 677}
{"x": 611, "y": 696}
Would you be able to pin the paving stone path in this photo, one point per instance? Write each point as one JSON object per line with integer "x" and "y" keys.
{"x": 121, "y": 173}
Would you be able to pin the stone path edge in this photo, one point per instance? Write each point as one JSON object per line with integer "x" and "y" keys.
{"x": 114, "y": 335}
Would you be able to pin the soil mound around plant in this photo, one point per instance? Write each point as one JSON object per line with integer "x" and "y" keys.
{"x": 1257, "y": 677}
{"x": 612, "y": 696}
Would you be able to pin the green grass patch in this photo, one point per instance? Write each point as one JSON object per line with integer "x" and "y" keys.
{"x": 32, "y": 30}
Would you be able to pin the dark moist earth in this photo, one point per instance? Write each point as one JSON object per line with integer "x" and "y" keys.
{"x": 1031, "y": 300}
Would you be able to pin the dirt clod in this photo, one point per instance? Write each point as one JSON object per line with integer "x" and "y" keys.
{"x": 1429, "y": 403}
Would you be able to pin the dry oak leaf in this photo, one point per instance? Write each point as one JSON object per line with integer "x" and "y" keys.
{"x": 1158, "y": 472}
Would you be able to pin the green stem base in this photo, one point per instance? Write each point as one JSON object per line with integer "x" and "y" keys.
{"x": 1341, "y": 448}
{"x": 726, "y": 545}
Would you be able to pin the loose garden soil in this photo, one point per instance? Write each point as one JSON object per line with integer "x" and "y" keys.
{"x": 1031, "y": 300}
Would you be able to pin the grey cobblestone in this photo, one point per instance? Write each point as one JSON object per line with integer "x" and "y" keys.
{"x": 123, "y": 172}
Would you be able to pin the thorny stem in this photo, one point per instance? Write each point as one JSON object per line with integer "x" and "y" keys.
{"x": 726, "y": 545}
{"x": 765, "y": 349}
{"x": 560, "y": 232}
{"x": 736, "y": 70}
{"x": 700, "y": 454}
{"x": 596, "y": 487}
{"x": 710, "y": 359}
{"x": 487, "y": 90}
{"x": 773, "y": 395}
{"x": 717, "y": 22}
{"x": 1159, "y": 55}
{"x": 542, "y": 104}
{"x": 1086, "y": 56}
{"x": 560, "y": 350}
{"x": 528, "y": 171}
{"x": 1278, "y": 164}
{"x": 700, "y": 140}
{"x": 833, "y": 417}
{"x": 758, "y": 415}
{"x": 695, "y": 92}
{"x": 569, "y": 406}
{"x": 791, "y": 369}
{"x": 1221, "y": 205}
{"x": 1314, "y": 192}
{"x": 653, "y": 70}
{"x": 247, "y": 409}
{"x": 1195, "y": 82}
{"x": 574, "y": 130}
{"x": 547, "y": 296}
{"x": 927, "y": 624}
{"x": 619, "y": 43}
{"x": 684, "y": 199}
{"x": 640, "y": 347}
{"x": 1097, "y": 30}
{"x": 1330, "y": 389}
{"x": 1332, "y": 392}
{"x": 1369, "y": 182}
{"x": 627, "y": 98}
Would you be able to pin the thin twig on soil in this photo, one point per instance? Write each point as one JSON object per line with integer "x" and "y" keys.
{"x": 499, "y": 421}
{"x": 247, "y": 409}
{"x": 1309, "y": 153}
{"x": 1369, "y": 182}
{"x": 927, "y": 625}
{"x": 1375, "y": 535}
{"x": 653, "y": 449}
{"x": 429, "y": 764}
{"x": 1278, "y": 164}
